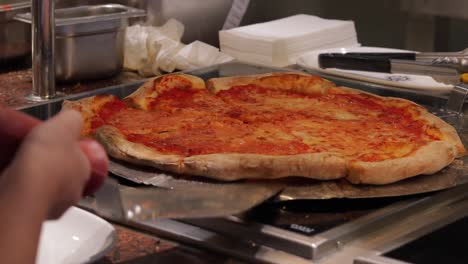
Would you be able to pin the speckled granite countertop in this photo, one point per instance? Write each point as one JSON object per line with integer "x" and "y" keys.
{"x": 136, "y": 247}
{"x": 17, "y": 84}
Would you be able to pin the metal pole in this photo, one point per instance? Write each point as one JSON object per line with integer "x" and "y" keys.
{"x": 43, "y": 38}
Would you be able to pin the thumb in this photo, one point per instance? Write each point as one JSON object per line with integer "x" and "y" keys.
{"x": 99, "y": 164}
{"x": 68, "y": 122}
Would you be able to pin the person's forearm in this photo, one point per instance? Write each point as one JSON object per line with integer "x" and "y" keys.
{"x": 21, "y": 217}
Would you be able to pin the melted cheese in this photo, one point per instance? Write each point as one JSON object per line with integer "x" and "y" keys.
{"x": 257, "y": 119}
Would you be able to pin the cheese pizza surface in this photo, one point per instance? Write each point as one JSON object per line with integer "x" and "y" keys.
{"x": 270, "y": 126}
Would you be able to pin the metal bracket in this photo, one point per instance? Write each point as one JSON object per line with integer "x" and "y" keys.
{"x": 457, "y": 98}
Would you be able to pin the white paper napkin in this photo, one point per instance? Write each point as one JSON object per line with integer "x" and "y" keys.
{"x": 280, "y": 42}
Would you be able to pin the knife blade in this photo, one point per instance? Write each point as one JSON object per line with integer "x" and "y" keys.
{"x": 377, "y": 62}
{"x": 361, "y": 60}
{"x": 123, "y": 203}
{"x": 395, "y": 63}
{"x": 442, "y": 73}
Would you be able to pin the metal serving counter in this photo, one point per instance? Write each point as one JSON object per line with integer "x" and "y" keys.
{"x": 362, "y": 231}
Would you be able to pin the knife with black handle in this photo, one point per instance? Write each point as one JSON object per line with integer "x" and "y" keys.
{"x": 443, "y": 67}
{"x": 382, "y": 62}
{"x": 376, "y": 62}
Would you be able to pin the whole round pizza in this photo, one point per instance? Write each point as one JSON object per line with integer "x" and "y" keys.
{"x": 270, "y": 126}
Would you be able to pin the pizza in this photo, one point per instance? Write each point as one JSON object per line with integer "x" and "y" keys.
{"x": 269, "y": 126}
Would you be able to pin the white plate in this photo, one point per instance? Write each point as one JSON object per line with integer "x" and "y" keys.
{"x": 310, "y": 61}
{"x": 77, "y": 237}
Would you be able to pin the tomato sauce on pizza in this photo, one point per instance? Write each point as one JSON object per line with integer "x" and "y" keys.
{"x": 262, "y": 117}
{"x": 256, "y": 119}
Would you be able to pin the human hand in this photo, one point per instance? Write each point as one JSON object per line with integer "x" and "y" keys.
{"x": 50, "y": 160}
{"x": 14, "y": 126}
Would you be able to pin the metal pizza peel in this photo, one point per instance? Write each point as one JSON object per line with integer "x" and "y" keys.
{"x": 149, "y": 195}
{"x": 454, "y": 175}
{"x": 298, "y": 188}
{"x": 124, "y": 203}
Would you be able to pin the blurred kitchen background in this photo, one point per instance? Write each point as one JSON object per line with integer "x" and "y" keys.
{"x": 423, "y": 25}
{"x": 419, "y": 25}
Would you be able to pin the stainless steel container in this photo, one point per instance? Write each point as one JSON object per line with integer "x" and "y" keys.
{"x": 89, "y": 40}
{"x": 15, "y": 37}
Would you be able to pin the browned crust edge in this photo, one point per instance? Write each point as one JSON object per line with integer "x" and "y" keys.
{"x": 147, "y": 90}
{"x": 426, "y": 160}
{"x": 216, "y": 85}
{"x": 226, "y": 167}
{"x": 119, "y": 147}
{"x": 137, "y": 98}
{"x": 86, "y": 107}
{"x": 449, "y": 132}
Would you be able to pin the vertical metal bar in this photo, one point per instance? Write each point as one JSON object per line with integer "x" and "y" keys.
{"x": 43, "y": 38}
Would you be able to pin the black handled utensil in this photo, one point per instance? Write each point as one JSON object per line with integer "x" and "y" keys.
{"x": 448, "y": 70}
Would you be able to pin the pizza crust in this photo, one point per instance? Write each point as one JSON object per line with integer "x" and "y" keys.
{"x": 137, "y": 98}
{"x": 426, "y": 160}
{"x": 226, "y": 167}
{"x": 87, "y": 107}
{"x": 449, "y": 132}
{"x": 119, "y": 147}
{"x": 293, "y": 81}
{"x": 154, "y": 86}
{"x": 235, "y": 166}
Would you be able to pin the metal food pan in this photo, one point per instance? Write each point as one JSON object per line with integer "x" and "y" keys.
{"x": 15, "y": 37}
{"x": 89, "y": 40}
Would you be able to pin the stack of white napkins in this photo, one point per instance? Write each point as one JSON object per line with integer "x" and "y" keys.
{"x": 281, "y": 42}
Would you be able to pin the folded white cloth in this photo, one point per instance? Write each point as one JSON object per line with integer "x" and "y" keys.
{"x": 280, "y": 42}
{"x": 199, "y": 54}
{"x": 135, "y": 51}
{"x": 150, "y": 50}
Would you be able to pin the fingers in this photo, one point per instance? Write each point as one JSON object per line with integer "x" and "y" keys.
{"x": 68, "y": 121}
{"x": 15, "y": 125}
{"x": 95, "y": 153}
{"x": 99, "y": 164}
{"x": 51, "y": 163}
